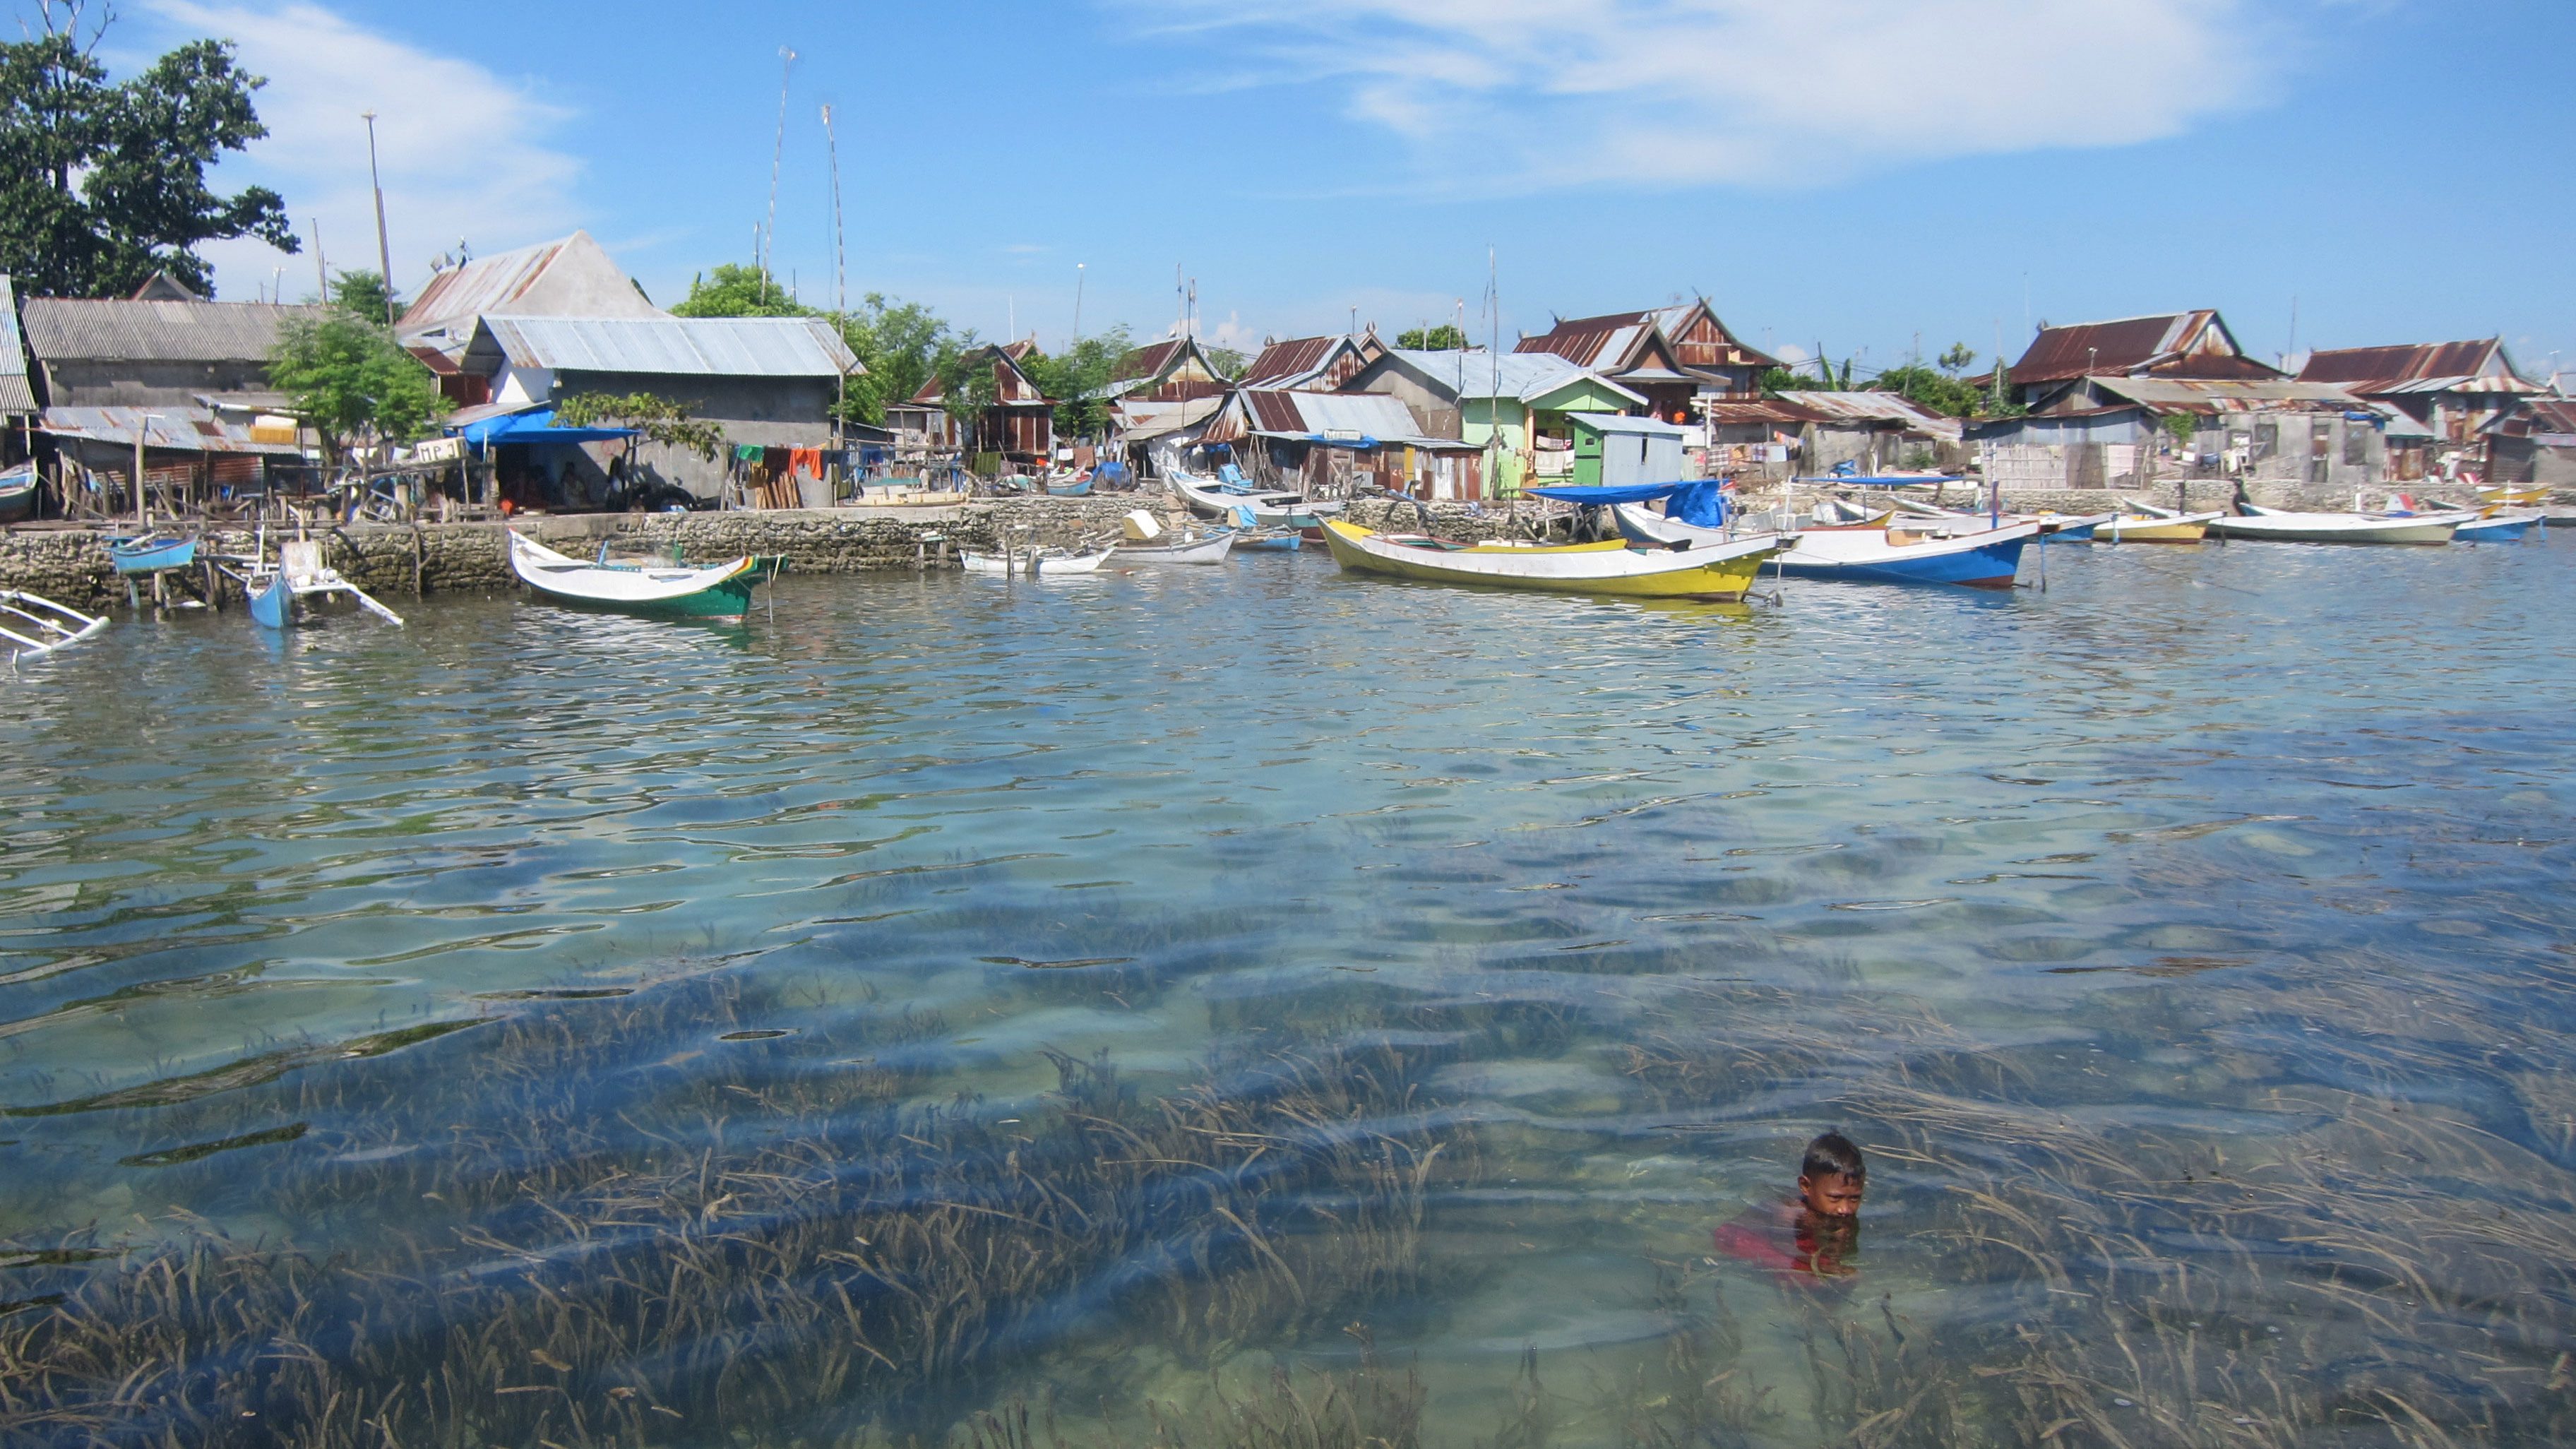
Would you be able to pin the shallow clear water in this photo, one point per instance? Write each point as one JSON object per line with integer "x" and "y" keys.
{"x": 2189, "y": 943}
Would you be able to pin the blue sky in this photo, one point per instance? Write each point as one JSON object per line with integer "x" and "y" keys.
{"x": 1850, "y": 173}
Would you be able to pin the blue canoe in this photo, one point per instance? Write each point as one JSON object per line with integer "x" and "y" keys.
{"x": 2503, "y": 528}
{"x": 151, "y": 555}
{"x": 270, "y": 601}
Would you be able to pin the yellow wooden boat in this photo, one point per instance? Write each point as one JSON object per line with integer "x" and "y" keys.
{"x": 2154, "y": 528}
{"x": 1718, "y": 571}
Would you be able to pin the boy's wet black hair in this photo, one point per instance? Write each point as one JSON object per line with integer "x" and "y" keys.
{"x": 1834, "y": 1155}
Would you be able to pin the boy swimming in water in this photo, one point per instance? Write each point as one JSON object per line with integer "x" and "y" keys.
{"x": 1821, "y": 1225}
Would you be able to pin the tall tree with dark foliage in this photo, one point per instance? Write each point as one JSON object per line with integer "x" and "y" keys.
{"x": 102, "y": 184}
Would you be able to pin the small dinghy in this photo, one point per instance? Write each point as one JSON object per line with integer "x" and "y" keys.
{"x": 718, "y": 591}
{"x": 33, "y": 625}
{"x": 151, "y": 553}
{"x": 1147, "y": 542}
{"x": 18, "y": 493}
{"x": 1219, "y": 497}
{"x": 1988, "y": 558}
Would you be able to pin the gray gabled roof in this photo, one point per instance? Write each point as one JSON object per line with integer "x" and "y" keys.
{"x": 675, "y": 346}
{"x": 64, "y": 329}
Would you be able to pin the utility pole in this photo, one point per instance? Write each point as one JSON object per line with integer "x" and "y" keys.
{"x": 1079, "y": 273}
{"x": 384, "y": 253}
{"x": 321, "y": 269}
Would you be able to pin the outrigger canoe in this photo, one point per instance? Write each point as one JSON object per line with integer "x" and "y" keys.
{"x": 1719, "y": 572}
{"x": 1271, "y": 508}
{"x": 719, "y": 591}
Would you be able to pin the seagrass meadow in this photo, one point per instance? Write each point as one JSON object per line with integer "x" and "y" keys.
{"x": 1269, "y": 1009}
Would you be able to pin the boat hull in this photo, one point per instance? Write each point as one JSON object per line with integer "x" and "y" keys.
{"x": 148, "y": 557}
{"x": 2152, "y": 530}
{"x": 17, "y": 495}
{"x": 723, "y": 591}
{"x": 1196, "y": 551}
{"x": 1990, "y": 560}
{"x": 2337, "y": 528}
{"x": 272, "y": 602}
{"x": 1719, "y": 574}
{"x": 2508, "y": 528}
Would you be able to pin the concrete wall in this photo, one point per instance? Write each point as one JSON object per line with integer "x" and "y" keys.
{"x": 396, "y": 562}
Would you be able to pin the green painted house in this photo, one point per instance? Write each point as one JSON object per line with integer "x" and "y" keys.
{"x": 1517, "y": 403}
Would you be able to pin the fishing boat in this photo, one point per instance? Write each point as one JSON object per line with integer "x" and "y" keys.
{"x": 2496, "y": 527}
{"x": 1077, "y": 486}
{"x": 1988, "y": 559}
{"x": 34, "y": 625}
{"x": 2146, "y": 523}
{"x": 1219, "y": 497}
{"x": 719, "y": 591}
{"x": 1250, "y": 535}
{"x": 151, "y": 553}
{"x": 300, "y": 574}
{"x": 18, "y": 493}
{"x": 1037, "y": 563}
{"x": 1719, "y": 572}
{"x": 2281, "y": 526}
{"x": 1186, "y": 549}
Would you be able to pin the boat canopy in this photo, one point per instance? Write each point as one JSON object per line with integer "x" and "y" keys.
{"x": 534, "y": 426}
{"x": 1700, "y": 501}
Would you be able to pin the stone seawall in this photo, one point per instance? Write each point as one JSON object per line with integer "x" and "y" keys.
{"x": 401, "y": 561}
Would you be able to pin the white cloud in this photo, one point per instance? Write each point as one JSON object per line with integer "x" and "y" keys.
{"x": 463, "y": 151}
{"x": 1516, "y": 95}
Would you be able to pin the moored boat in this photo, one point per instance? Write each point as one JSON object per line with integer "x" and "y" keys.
{"x": 18, "y": 493}
{"x": 300, "y": 573}
{"x": 1271, "y": 508}
{"x": 31, "y": 624}
{"x": 1984, "y": 560}
{"x": 151, "y": 553}
{"x": 2280, "y": 526}
{"x": 1720, "y": 572}
{"x": 2145, "y": 523}
{"x": 1186, "y": 549}
{"x": 718, "y": 591}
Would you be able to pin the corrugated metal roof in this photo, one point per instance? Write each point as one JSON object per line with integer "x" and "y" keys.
{"x": 1769, "y": 412}
{"x": 1336, "y": 415}
{"x": 1284, "y": 364}
{"x": 1873, "y": 406}
{"x": 2429, "y": 367}
{"x": 1600, "y": 343}
{"x": 180, "y": 430}
{"x": 2538, "y": 417}
{"x": 573, "y": 276}
{"x": 2228, "y": 395}
{"x": 15, "y": 397}
{"x": 676, "y": 346}
{"x": 1523, "y": 376}
{"x": 64, "y": 329}
{"x": 2173, "y": 341}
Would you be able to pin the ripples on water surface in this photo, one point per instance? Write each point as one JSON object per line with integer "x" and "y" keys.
{"x": 948, "y": 995}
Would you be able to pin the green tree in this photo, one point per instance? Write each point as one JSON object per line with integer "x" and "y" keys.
{"x": 1227, "y": 361}
{"x": 101, "y": 184}
{"x": 967, "y": 390}
{"x": 657, "y": 418}
{"x": 902, "y": 345}
{"x": 1084, "y": 368}
{"x": 350, "y": 381}
{"x": 361, "y": 294}
{"x": 1443, "y": 338}
{"x": 1958, "y": 359}
{"x": 1950, "y": 396}
{"x": 738, "y": 291}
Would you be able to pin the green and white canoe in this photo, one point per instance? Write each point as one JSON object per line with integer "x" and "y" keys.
{"x": 718, "y": 590}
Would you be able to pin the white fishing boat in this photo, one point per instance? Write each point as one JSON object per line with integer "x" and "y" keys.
{"x": 720, "y": 590}
{"x": 1036, "y": 562}
{"x": 33, "y": 625}
{"x": 1186, "y": 549}
{"x": 299, "y": 574}
{"x": 2281, "y": 526}
{"x": 1219, "y": 498}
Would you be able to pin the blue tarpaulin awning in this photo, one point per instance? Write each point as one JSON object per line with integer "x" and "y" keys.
{"x": 1700, "y": 501}
{"x": 535, "y": 426}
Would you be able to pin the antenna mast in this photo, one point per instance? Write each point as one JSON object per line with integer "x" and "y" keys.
{"x": 769, "y": 234}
